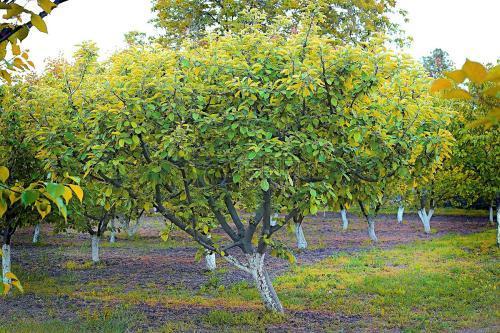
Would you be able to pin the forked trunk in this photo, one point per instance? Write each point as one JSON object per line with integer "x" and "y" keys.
{"x": 401, "y": 210}
{"x": 345, "y": 221}
{"x": 36, "y": 233}
{"x": 371, "y": 229}
{"x": 426, "y": 219}
{"x": 5, "y": 262}
{"x": 95, "y": 248}
{"x": 299, "y": 233}
{"x": 210, "y": 260}
{"x": 263, "y": 282}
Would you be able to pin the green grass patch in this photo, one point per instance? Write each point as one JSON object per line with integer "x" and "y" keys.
{"x": 441, "y": 284}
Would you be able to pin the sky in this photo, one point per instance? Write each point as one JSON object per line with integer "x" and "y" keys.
{"x": 463, "y": 28}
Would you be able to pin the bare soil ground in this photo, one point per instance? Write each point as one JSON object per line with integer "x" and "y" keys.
{"x": 166, "y": 267}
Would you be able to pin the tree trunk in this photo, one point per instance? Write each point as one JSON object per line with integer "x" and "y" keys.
{"x": 345, "y": 221}
{"x": 426, "y": 219}
{"x": 95, "y": 248}
{"x": 5, "y": 262}
{"x": 263, "y": 283}
{"x": 492, "y": 222}
{"x": 401, "y": 210}
{"x": 210, "y": 260}
{"x": 498, "y": 224}
{"x": 301, "y": 240}
{"x": 371, "y": 229}
{"x": 112, "y": 237}
{"x": 36, "y": 233}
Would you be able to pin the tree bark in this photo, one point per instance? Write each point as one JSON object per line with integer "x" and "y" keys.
{"x": 263, "y": 283}
{"x": 36, "y": 233}
{"x": 491, "y": 215}
{"x": 371, "y": 229}
{"x": 426, "y": 219}
{"x": 401, "y": 210}
{"x": 95, "y": 248}
{"x": 498, "y": 225}
{"x": 5, "y": 262}
{"x": 345, "y": 221}
{"x": 112, "y": 237}
{"x": 301, "y": 239}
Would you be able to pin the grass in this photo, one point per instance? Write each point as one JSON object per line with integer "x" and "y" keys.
{"x": 443, "y": 284}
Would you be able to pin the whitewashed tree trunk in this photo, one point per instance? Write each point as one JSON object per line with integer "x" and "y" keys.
{"x": 401, "y": 210}
{"x": 112, "y": 237}
{"x": 36, "y": 233}
{"x": 371, "y": 229}
{"x": 274, "y": 220}
{"x": 5, "y": 262}
{"x": 95, "y": 248}
{"x": 299, "y": 233}
{"x": 210, "y": 260}
{"x": 263, "y": 283}
{"x": 491, "y": 215}
{"x": 345, "y": 221}
{"x": 426, "y": 219}
{"x": 498, "y": 225}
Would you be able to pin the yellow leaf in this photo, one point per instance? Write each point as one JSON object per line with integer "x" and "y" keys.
{"x": 474, "y": 71}
{"x": 18, "y": 285}
{"x": 4, "y": 174}
{"x": 457, "y": 94}
{"x": 458, "y": 76}
{"x": 493, "y": 91}
{"x": 46, "y": 5}
{"x": 18, "y": 63}
{"x": 6, "y": 288}
{"x": 440, "y": 84}
{"x": 3, "y": 207}
{"x": 11, "y": 276}
{"x": 43, "y": 207}
{"x": 78, "y": 191}
{"x": 494, "y": 74}
{"x": 67, "y": 195}
{"x": 38, "y": 22}
{"x": 107, "y": 206}
{"x": 16, "y": 50}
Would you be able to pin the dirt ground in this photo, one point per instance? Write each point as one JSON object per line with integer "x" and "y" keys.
{"x": 148, "y": 262}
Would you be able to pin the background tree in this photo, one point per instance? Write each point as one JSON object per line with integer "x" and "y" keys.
{"x": 437, "y": 62}
{"x": 346, "y": 21}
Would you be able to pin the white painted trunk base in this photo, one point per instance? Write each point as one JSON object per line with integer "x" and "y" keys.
{"x": 301, "y": 239}
{"x": 263, "y": 283}
{"x": 5, "y": 262}
{"x": 36, "y": 233}
{"x": 345, "y": 221}
{"x": 210, "y": 261}
{"x": 491, "y": 215}
{"x": 498, "y": 225}
{"x": 95, "y": 248}
{"x": 425, "y": 217}
{"x": 371, "y": 230}
{"x": 401, "y": 210}
{"x": 112, "y": 236}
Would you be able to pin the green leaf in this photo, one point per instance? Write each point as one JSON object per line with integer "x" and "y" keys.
{"x": 55, "y": 190}
{"x": 264, "y": 185}
{"x": 30, "y": 196}
{"x": 38, "y": 22}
